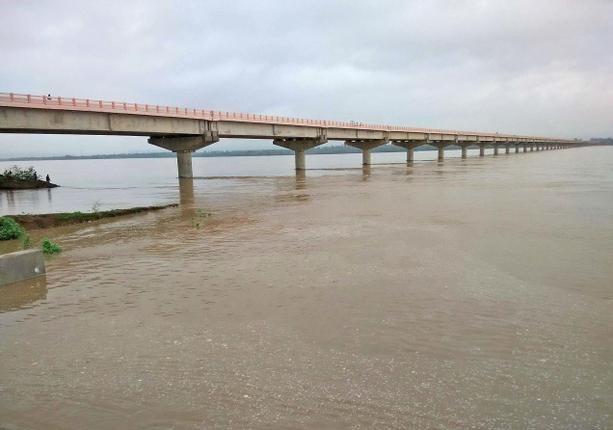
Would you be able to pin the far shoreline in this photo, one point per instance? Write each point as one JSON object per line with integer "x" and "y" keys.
{"x": 337, "y": 149}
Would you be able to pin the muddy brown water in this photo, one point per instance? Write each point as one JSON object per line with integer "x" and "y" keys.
{"x": 475, "y": 294}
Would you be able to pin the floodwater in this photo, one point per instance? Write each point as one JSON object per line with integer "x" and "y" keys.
{"x": 114, "y": 184}
{"x": 467, "y": 294}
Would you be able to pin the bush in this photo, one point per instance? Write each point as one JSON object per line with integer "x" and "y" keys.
{"x": 10, "y": 229}
{"x": 22, "y": 174}
{"x": 50, "y": 247}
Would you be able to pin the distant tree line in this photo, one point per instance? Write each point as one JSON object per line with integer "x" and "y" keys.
{"x": 602, "y": 140}
{"x": 324, "y": 149}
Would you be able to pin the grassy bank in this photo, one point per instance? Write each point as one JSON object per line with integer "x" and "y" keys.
{"x": 66, "y": 218}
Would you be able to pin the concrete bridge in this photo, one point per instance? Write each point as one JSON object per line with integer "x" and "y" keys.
{"x": 185, "y": 130}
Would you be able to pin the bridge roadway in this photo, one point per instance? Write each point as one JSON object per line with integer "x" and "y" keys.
{"x": 184, "y": 130}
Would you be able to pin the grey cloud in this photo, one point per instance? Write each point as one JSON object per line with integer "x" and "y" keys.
{"x": 535, "y": 67}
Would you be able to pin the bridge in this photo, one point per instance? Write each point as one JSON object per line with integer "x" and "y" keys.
{"x": 185, "y": 130}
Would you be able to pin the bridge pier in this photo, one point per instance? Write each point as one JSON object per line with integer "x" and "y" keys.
{"x": 183, "y": 146}
{"x": 366, "y": 146}
{"x": 516, "y": 147}
{"x": 299, "y": 146}
{"x": 410, "y": 146}
{"x": 495, "y": 149}
{"x": 441, "y": 151}
{"x": 507, "y": 149}
{"x": 184, "y": 164}
{"x": 482, "y": 150}
{"x": 464, "y": 149}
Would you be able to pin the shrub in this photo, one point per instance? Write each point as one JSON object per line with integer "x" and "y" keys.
{"x": 19, "y": 173}
{"x": 10, "y": 229}
{"x": 50, "y": 247}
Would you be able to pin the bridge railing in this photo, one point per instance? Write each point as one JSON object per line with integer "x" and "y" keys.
{"x": 92, "y": 105}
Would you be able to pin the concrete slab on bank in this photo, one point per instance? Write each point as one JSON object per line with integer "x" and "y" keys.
{"x": 21, "y": 265}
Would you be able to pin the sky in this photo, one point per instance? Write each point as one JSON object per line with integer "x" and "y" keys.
{"x": 534, "y": 67}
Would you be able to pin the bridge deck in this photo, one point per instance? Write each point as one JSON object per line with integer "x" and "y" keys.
{"x": 25, "y": 113}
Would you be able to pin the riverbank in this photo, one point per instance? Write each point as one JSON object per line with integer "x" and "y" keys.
{"x": 39, "y": 221}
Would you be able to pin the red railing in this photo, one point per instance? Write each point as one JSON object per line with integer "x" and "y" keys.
{"x": 90, "y": 105}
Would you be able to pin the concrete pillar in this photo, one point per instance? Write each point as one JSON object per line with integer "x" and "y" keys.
{"x": 441, "y": 152}
{"x": 481, "y": 150}
{"x": 184, "y": 164}
{"x": 516, "y": 148}
{"x": 186, "y": 191}
{"x": 410, "y": 154}
{"x": 495, "y": 149}
{"x": 525, "y": 147}
{"x": 410, "y": 146}
{"x": 365, "y": 157}
{"x": 366, "y": 146}
{"x": 299, "y": 146}
{"x": 300, "y": 158}
{"x": 183, "y": 146}
{"x": 464, "y": 151}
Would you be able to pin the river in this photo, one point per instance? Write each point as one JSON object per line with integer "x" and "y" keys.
{"x": 472, "y": 293}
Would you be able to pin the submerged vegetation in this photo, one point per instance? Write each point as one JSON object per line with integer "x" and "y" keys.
{"x": 200, "y": 213}
{"x": 14, "y": 227}
{"x": 50, "y": 247}
{"x": 67, "y": 218}
{"x": 11, "y": 230}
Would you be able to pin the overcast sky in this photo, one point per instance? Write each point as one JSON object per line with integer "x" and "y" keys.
{"x": 522, "y": 66}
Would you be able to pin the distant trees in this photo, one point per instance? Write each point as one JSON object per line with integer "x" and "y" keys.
{"x": 602, "y": 140}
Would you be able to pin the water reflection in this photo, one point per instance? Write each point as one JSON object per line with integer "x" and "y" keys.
{"x": 366, "y": 170}
{"x": 23, "y": 294}
{"x": 10, "y": 199}
{"x": 300, "y": 180}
